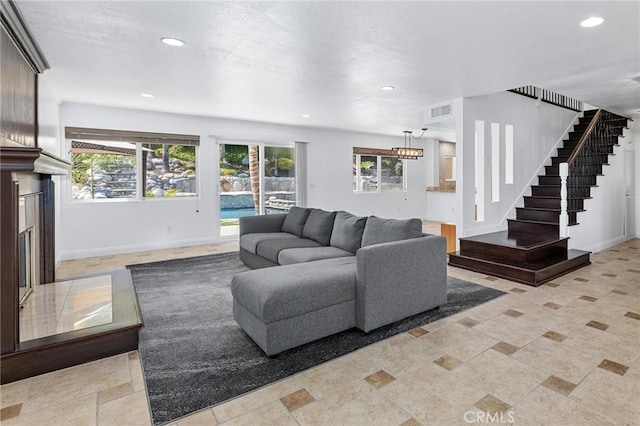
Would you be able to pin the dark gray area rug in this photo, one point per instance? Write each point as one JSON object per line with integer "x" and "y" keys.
{"x": 195, "y": 355}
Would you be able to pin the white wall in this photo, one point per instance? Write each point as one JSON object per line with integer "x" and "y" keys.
{"x": 634, "y": 134}
{"x": 538, "y": 127}
{"x": 48, "y": 117}
{"x": 102, "y": 228}
{"x": 49, "y": 137}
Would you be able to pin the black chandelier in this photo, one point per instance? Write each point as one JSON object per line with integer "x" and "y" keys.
{"x": 406, "y": 152}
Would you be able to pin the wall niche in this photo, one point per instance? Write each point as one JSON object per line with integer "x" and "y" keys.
{"x": 447, "y": 166}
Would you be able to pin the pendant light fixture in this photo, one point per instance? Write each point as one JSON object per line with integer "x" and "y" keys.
{"x": 406, "y": 152}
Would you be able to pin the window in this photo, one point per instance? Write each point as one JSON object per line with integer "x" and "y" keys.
{"x": 111, "y": 164}
{"x": 508, "y": 153}
{"x": 375, "y": 170}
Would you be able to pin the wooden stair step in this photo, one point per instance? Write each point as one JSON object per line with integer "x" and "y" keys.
{"x": 533, "y": 274}
{"x": 533, "y": 226}
{"x": 513, "y": 247}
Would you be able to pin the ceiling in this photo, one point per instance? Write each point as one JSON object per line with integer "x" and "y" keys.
{"x": 274, "y": 61}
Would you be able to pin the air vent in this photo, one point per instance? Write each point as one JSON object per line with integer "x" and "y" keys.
{"x": 439, "y": 112}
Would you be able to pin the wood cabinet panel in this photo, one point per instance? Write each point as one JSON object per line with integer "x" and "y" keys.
{"x": 17, "y": 96}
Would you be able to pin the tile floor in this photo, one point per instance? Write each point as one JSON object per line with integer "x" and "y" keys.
{"x": 565, "y": 353}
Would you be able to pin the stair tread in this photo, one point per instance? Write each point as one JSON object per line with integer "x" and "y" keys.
{"x": 532, "y": 267}
{"x": 534, "y": 222}
{"x": 539, "y": 209}
{"x": 516, "y": 240}
{"x": 547, "y": 209}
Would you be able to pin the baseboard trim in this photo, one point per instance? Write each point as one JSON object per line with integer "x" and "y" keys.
{"x": 603, "y": 245}
{"x": 133, "y": 248}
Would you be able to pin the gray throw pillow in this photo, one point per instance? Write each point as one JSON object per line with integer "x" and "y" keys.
{"x": 319, "y": 225}
{"x": 294, "y": 222}
{"x": 347, "y": 231}
{"x": 380, "y": 230}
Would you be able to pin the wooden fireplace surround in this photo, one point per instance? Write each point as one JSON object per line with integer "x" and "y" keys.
{"x": 26, "y": 170}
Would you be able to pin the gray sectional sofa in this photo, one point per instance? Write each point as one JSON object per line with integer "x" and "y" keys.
{"x": 331, "y": 271}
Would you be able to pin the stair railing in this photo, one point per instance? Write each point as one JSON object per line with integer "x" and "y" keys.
{"x": 548, "y": 96}
{"x": 564, "y": 215}
{"x": 584, "y": 163}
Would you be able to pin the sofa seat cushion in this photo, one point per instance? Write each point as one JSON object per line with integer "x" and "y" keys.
{"x": 292, "y": 290}
{"x": 378, "y": 230}
{"x": 250, "y": 242}
{"x": 269, "y": 249}
{"x": 310, "y": 254}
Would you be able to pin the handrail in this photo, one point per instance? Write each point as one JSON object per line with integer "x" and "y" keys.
{"x": 584, "y": 137}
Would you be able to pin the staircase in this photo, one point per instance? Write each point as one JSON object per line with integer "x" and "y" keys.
{"x": 531, "y": 250}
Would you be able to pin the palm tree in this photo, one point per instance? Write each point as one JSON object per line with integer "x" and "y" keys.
{"x": 254, "y": 175}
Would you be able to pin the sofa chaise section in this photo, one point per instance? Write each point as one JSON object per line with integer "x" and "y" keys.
{"x": 290, "y": 306}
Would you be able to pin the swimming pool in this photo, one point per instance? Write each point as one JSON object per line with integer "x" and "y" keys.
{"x": 236, "y": 213}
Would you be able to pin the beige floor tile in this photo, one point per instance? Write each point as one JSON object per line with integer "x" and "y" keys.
{"x": 115, "y": 392}
{"x": 357, "y": 403}
{"x": 135, "y": 370}
{"x": 626, "y": 326}
{"x": 503, "y": 377}
{"x": 546, "y": 407}
{"x": 515, "y": 331}
{"x": 400, "y": 354}
{"x": 14, "y": 393}
{"x": 201, "y": 418}
{"x": 323, "y": 380}
{"x": 459, "y": 341}
{"x": 432, "y": 395}
{"x": 611, "y": 394}
{"x": 272, "y": 414}
{"x": 71, "y": 383}
{"x": 552, "y": 319}
{"x": 558, "y": 359}
{"x": 134, "y": 405}
{"x": 256, "y": 399}
{"x": 79, "y": 412}
{"x": 621, "y": 349}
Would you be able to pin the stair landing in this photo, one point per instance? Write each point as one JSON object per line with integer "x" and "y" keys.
{"x": 528, "y": 258}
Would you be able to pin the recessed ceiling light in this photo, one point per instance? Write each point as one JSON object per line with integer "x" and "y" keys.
{"x": 593, "y": 21}
{"x": 387, "y": 88}
{"x": 172, "y": 41}
{"x": 147, "y": 95}
{"x": 305, "y": 115}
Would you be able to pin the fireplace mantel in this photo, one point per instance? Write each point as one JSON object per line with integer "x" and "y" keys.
{"x": 24, "y": 159}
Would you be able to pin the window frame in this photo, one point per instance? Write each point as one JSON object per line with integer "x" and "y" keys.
{"x": 358, "y": 153}
{"x": 139, "y": 139}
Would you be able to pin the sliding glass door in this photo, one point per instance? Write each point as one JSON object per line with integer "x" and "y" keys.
{"x": 279, "y": 184}
{"x": 254, "y": 179}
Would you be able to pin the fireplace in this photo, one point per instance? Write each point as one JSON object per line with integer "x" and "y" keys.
{"x": 29, "y": 241}
{"x": 26, "y": 265}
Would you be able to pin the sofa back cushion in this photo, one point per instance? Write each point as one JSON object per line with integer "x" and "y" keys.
{"x": 318, "y": 226}
{"x": 378, "y": 230}
{"x": 295, "y": 220}
{"x": 347, "y": 231}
